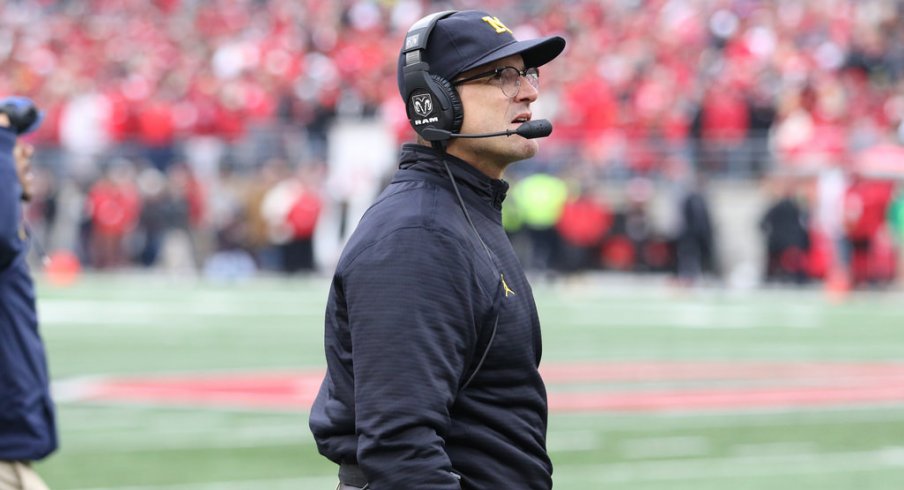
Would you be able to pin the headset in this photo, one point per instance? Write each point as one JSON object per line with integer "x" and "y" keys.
{"x": 432, "y": 104}
{"x": 431, "y": 101}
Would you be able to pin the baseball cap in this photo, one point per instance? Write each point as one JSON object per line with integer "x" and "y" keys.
{"x": 23, "y": 114}
{"x": 471, "y": 38}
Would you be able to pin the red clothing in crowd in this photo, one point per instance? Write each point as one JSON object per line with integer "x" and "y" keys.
{"x": 865, "y": 205}
{"x": 303, "y": 215}
{"x": 725, "y": 116}
{"x": 156, "y": 126}
{"x": 590, "y": 109}
{"x": 584, "y": 222}
{"x": 113, "y": 208}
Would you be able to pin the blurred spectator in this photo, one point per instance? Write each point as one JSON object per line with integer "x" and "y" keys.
{"x": 626, "y": 246}
{"x": 761, "y": 113}
{"x": 292, "y": 209}
{"x": 722, "y": 126}
{"x": 865, "y": 207}
{"x": 113, "y": 208}
{"x": 540, "y": 199}
{"x": 251, "y": 229}
{"x": 695, "y": 243}
{"x": 786, "y": 229}
{"x": 584, "y": 222}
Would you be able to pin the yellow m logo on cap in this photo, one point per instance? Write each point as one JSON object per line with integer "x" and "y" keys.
{"x": 497, "y": 24}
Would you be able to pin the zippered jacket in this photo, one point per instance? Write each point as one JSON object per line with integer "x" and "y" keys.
{"x": 411, "y": 311}
{"x": 27, "y": 423}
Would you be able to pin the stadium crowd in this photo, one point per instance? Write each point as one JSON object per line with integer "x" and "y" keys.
{"x": 182, "y": 130}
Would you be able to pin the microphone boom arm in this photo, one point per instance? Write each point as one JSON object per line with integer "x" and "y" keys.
{"x": 537, "y": 128}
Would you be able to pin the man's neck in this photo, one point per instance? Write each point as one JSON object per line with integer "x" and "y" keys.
{"x": 491, "y": 170}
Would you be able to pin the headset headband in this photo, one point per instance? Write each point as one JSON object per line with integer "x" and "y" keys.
{"x": 417, "y": 37}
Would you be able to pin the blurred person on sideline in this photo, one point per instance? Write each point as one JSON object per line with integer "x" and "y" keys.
{"x": 432, "y": 336}
{"x": 114, "y": 207}
{"x": 292, "y": 209}
{"x": 540, "y": 198}
{"x": 585, "y": 220}
{"x": 786, "y": 231}
{"x": 695, "y": 243}
{"x": 865, "y": 208}
{"x": 27, "y": 420}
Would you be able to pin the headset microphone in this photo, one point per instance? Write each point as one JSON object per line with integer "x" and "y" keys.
{"x": 538, "y": 128}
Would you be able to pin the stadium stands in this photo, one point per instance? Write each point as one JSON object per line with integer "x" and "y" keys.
{"x": 737, "y": 89}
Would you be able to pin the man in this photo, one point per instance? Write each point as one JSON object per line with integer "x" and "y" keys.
{"x": 27, "y": 427}
{"x": 432, "y": 336}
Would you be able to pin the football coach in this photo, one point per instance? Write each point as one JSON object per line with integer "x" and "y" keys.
{"x": 432, "y": 337}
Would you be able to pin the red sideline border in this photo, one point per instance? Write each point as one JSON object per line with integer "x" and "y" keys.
{"x": 572, "y": 387}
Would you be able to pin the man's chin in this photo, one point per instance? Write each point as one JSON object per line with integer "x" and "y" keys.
{"x": 529, "y": 149}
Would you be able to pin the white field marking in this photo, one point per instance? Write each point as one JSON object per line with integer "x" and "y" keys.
{"x": 75, "y": 389}
{"x": 145, "y": 313}
{"x": 736, "y": 467}
{"x": 79, "y": 388}
{"x": 665, "y": 447}
{"x": 275, "y": 484}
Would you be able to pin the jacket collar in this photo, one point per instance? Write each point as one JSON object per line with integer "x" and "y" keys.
{"x": 424, "y": 158}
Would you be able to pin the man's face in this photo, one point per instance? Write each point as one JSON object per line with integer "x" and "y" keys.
{"x": 487, "y": 109}
{"x": 22, "y": 154}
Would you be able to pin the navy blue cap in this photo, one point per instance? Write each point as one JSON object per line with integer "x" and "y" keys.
{"x": 23, "y": 113}
{"x": 470, "y": 38}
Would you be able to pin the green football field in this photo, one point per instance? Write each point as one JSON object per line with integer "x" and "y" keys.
{"x": 183, "y": 385}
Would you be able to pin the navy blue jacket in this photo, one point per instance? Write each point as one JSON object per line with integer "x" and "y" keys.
{"x": 412, "y": 304}
{"x": 27, "y": 427}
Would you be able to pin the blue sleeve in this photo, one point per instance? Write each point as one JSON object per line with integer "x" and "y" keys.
{"x": 11, "y": 244}
{"x": 412, "y": 299}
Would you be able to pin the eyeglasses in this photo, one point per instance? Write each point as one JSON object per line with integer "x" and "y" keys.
{"x": 508, "y": 78}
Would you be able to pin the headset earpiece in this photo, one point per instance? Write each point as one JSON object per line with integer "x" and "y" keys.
{"x": 431, "y": 101}
{"x": 456, "y": 109}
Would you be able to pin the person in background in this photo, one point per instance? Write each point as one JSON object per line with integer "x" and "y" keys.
{"x": 27, "y": 419}
{"x": 786, "y": 232}
{"x": 865, "y": 207}
{"x": 695, "y": 243}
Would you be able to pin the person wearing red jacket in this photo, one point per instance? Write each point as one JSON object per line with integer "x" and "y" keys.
{"x": 865, "y": 205}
